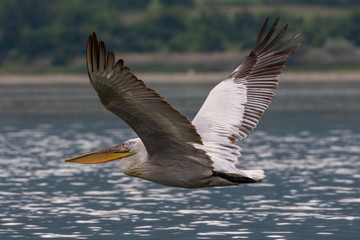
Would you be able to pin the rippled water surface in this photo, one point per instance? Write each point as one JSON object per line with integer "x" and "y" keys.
{"x": 308, "y": 142}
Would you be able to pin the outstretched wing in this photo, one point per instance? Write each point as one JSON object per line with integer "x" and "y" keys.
{"x": 162, "y": 129}
{"x": 234, "y": 107}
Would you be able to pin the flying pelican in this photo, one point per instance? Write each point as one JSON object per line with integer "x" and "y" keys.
{"x": 171, "y": 150}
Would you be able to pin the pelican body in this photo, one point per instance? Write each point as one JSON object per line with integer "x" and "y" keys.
{"x": 172, "y": 150}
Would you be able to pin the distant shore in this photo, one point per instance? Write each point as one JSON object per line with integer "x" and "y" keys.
{"x": 311, "y": 76}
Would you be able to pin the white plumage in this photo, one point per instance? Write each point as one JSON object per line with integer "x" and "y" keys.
{"x": 218, "y": 124}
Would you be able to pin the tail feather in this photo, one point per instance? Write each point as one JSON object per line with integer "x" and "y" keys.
{"x": 257, "y": 175}
{"x": 246, "y": 176}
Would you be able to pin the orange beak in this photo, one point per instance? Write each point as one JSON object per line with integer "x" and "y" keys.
{"x": 101, "y": 156}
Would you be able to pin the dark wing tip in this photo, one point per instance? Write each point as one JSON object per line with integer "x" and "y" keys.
{"x": 91, "y": 52}
{"x": 102, "y": 57}
{"x": 97, "y": 59}
{"x": 264, "y": 46}
{"x": 262, "y": 31}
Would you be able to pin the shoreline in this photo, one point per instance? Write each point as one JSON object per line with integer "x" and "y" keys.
{"x": 311, "y": 76}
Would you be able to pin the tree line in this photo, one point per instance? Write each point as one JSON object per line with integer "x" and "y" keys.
{"x": 58, "y": 30}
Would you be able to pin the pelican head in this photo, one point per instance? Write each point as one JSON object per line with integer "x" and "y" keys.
{"x": 132, "y": 154}
{"x": 127, "y": 149}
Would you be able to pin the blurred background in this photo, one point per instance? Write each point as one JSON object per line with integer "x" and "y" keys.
{"x": 173, "y": 36}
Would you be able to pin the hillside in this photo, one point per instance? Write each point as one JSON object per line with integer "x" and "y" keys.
{"x": 205, "y": 35}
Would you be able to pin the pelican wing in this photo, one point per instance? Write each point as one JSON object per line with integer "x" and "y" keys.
{"x": 162, "y": 129}
{"x": 233, "y": 107}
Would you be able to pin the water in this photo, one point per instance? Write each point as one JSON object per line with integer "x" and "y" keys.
{"x": 308, "y": 142}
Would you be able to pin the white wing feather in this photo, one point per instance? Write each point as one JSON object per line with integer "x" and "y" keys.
{"x": 234, "y": 107}
{"x": 217, "y": 123}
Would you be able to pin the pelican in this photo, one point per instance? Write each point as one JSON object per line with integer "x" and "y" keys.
{"x": 171, "y": 150}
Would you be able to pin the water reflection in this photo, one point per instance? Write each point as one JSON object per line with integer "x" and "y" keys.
{"x": 306, "y": 185}
{"x": 311, "y": 189}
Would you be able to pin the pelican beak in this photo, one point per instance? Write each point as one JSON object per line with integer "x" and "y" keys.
{"x": 101, "y": 156}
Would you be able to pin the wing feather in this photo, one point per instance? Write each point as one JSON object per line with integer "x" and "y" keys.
{"x": 233, "y": 108}
{"x": 162, "y": 129}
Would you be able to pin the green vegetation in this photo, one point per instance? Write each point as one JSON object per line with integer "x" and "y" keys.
{"x": 40, "y": 35}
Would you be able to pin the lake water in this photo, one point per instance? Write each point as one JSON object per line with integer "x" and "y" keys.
{"x": 308, "y": 143}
